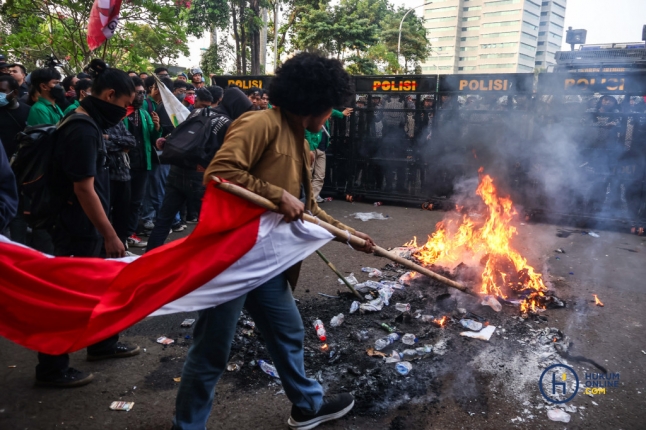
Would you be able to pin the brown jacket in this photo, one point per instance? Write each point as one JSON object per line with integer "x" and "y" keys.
{"x": 266, "y": 152}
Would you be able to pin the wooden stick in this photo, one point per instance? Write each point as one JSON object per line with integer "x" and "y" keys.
{"x": 341, "y": 277}
{"x": 342, "y": 235}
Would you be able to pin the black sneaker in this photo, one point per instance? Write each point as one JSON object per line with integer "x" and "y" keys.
{"x": 119, "y": 351}
{"x": 68, "y": 379}
{"x": 332, "y": 409}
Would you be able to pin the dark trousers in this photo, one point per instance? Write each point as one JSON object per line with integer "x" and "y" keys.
{"x": 50, "y": 366}
{"x": 39, "y": 238}
{"x": 120, "y": 207}
{"x": 182, "y": 186}
{"x": 138, "y": 180}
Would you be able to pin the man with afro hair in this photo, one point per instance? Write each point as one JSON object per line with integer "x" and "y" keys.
{"x": 266, "y": 152}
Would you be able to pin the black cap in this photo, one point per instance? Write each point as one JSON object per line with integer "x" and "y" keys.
{"x": 3, "y": 64}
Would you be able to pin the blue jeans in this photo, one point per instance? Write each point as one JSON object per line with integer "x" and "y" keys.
{"x": 155, "y": 193}
{"x": 273, "y": 309}
{"x": 182, "y": 186}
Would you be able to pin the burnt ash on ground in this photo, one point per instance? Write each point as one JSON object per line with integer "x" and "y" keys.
{"x": 376, "y": 385}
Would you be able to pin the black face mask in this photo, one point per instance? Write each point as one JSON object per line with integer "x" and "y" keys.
{"x": 138, "y": 101}
{"x": 104, "y": 113}
{"x": 57, "y": 92}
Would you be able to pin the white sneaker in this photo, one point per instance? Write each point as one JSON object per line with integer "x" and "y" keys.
{"x": 179, "y": 227}
{"x": 136, "y": 242}
{"x": 149, "y": 225}
{"x": 319, "y": 200}
{"x": 130, "y": 254}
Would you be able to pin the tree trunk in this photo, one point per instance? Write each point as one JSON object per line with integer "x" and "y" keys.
{"x": 254, "y": 5}
{"x": 236, "y": 36}
{"x": 243, "y": 39}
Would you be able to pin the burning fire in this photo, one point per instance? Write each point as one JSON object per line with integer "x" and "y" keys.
{"x": 441, "y": 322}
{"x": 597, "y": 301}
{"x": 489, "y": 240}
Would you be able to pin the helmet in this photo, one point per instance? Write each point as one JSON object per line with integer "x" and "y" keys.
{"x": 195, "y": 71}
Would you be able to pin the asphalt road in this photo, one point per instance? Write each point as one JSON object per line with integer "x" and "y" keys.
{"x": 612, "y": 266}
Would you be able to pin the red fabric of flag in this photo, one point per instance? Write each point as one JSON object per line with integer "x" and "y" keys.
{"x": 63, "y": 304}
{"x": 104, "y": 18}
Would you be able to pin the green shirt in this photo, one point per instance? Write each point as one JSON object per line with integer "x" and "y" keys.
{"x": 152, "y": 102}
{"x": 71, "y": 107}
{"x": 314, "y": 139}
{"x": 149, "y": 134}
{"x": 44, "y": 112}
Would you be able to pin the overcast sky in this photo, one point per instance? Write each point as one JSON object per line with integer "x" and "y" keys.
{"x": 607, "y": 21}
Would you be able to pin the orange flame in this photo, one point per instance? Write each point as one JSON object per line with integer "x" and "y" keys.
{"x": 440, "y": 322}
{"x": 412, "y": 243}
{"x": 597, "y": 301}
{"x": 490, "y": 241}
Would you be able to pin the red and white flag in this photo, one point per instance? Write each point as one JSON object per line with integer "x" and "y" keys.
{"x": 62, "y": 304}
{"x": 104, "y": 18}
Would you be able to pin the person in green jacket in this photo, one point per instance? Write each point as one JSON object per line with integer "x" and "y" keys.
{"x": 44, "y": 111}
{"x": 146, "y": 129}
{"x": 317, "y": 156}
{"x": 83, "y": 89}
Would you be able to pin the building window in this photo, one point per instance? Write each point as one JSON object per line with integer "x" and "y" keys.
{"x": 500, "y": 24}
{"x": 539, "y": 53}
{"x": 464, "y": 39}
{"x": 543, "y": 23}
{"x": 526, "y": 46}
{"x": 443, "y": 9}
{"x": 470, "y": 28}
{"x": 496, "y": 66}
{"x": 541, "y": 43}
{"x": 525, "y": 68}
{"x": 545, "y": 3}
{"x": 528, "y": 26}
{"x": 445, "y": 48}
{"x": 529, "y": 36}
{"x": 471, "y": 8}
{"x": 468, "y": 48}
{"x": 507, "y": 55}
{"x": 440, "y": 39}
{"x": 525, "y": 57}
{"x": 539, "y": 63}
{"x": 505, "y": 34}
{"x": 468, "y": 58}
{"x": 445, "y": 18}
{"x": 554, "y": 45}
{"x": 503, "y": 13}
{"x": 558, "y": 6}
{"x": 541, "y": 33}
{"x": 498, "y": 45}
{"x": 443, "y": 28}
{"x": 471, "y": 18}
{"x": 501, "y": 2}
{"x": 560, "y": 27}
{"x": 544, "y": 13}
{"x": 555, "y": 36}
{"x": 434, "y": 59}
{"x": 533, "y": 15}
{"x": 465, "y": 68}
{"x": 529, "y": 2}
{"x": 445, "y": 68}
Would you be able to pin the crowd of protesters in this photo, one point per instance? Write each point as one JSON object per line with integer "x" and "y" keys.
{"x": 105, "y": 171}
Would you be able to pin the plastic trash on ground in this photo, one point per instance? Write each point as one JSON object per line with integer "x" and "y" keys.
{"x": 403, "y": 251}
{"x": 354, "y": 307}
{"x": 385, "y": 294}
{"x": 165, "y": 341}
{"x": 372, "y": 272}
{"x": 491, "y": 302}
{"x": 268, "y": 369}
{"x": 471, "y": 324}
{"x": 395, "y": 357}
{"x": 365, "y": 216}
{"x": 484, "y": 334}
{"x": 337, "y": 320}
{"x": 367, "y": 286}
{"x": 372, "y": 306}
{"x": 403, "y": 367}
{"x": 557, "y": 414}
{"x": 402, "y": 307}
{"x": 392, "y": 284}
{"x": 409, "y": 339}
{"x": 320, "y": 330}
{"x": 406, "y": 278}
{"x": 385, "y": 341}
{"x": 351, "y": 279}
{"x": 593, "y": 234}
{"x": 122, "y": 406}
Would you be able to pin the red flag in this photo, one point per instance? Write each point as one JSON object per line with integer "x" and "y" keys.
{"x": 104, "y": 19}
{"x": 62, "y": 304}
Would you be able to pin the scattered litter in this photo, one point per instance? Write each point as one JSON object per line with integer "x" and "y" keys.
{"x": 187, "y": 322}
{"x": 337, "y": 320}
{"x": 559, "y": 250}
{"x": 440, "y": 347}
{"x": 268, "y": 369}
{"x": 372, "y": 306}
{"x": 320, "y": 330}
{"x": 374, "y": 353}
{"x": 471, "y": 324}
{"x": 571, "y": 273}
{"x": 385, "y": 341}
{"x": 232, "y": 367}
{"x": 394, "y": 357}
{"x": 351, "y": 280}
{"x": 377, "y": 203}
{"x": 165, "y": 341}
{"x": 402, "y": 307}
{"x": 178, "y": 379}
{"x": 491, "y": 302}
{"x": 328, "y": 296}
{"x": 122, "y": 406}
{"x": 558, "y": 415}
{"x": 354, "y": 307}
{"x": 409, "y": 339}
{"x": 406, "y": 278}
{"x": 386, "y": 327}
{"x": 13, "y": 366}
{"x": 403, "y": 367}
{"x": 643, "y": 352}
{"x": 249, "y": 323}
{"x": 593, "y": 234}
{"x": 427, "y": 318}
{"x": 365, "y": 216}
{"x": 361, "y": 335}
{"x": 372, "y": 272}
{"x": 403, "y": 251}
{"x": 595, "y": 403}
{"x": 368, "y": 286}
{"x": 484, "y": 334}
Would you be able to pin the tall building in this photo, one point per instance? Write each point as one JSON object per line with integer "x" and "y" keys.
{"x": 493, "y": 36}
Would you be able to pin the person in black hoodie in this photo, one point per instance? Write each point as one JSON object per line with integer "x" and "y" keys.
{"x": 81, "y": 179}
{"x": 185, "y": 185}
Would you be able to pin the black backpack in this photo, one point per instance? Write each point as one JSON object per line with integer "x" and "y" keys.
{"x": 33, "y": 167}
{"x": 188, "y": 145}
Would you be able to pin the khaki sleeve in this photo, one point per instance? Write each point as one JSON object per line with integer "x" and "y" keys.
{"x": 245, "y": 142}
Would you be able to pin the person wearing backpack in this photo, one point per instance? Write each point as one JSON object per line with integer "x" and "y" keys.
{"x": 145, "y": 128}
{"x": 184, "y": 182}
{"x": 81, "y": 180}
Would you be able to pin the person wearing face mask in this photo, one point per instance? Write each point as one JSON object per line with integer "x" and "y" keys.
{"x": 13, "y": 114}
{"x": 47, "y": 83}
{"x": 179, "y": 89}
{"x": 146, "y": 129}
{"x": 82, "y": 89}
{"x": 81, "y": 180}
